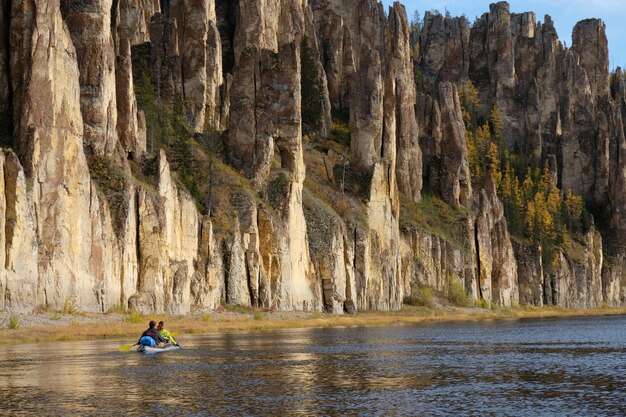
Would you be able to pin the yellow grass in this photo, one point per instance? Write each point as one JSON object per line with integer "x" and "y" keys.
{"x": 269, "y": 321}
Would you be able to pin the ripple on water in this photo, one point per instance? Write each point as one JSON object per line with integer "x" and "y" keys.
{"x": 573, "y": 367}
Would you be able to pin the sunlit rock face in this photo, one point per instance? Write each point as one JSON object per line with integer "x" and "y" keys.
{"x": 101, "y": 206}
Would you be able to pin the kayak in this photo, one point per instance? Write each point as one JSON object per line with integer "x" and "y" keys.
{"x": 157, "y": 349}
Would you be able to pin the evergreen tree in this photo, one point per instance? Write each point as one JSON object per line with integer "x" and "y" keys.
{"x": 494, "y": 164}
{"x": 472, "y": 154}
{"x": 528, "y": 186}
{"x": 470, "y": 104}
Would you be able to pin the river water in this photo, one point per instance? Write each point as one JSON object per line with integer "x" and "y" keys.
{"x": 569, "y": 367}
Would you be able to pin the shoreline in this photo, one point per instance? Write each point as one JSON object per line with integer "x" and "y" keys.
{"x": 57, "y": 326}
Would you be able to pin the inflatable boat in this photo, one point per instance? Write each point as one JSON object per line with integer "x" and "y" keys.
{"x": 157, "y": 349}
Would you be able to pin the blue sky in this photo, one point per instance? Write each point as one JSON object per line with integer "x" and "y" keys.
{"x": 565, "y": 14}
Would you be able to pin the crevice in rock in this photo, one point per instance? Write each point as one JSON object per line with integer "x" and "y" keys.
{"x": 138, "y": 238}
{"x": 249, "y": 281}
{"x": 256, "y": 116}
{"x": 226, "y": 254}
{"x": 226, "y": 13}
{"x": 114, "y": 20}
{"x": 478, "y": 280}
{"x": 181, "y": 51}
{"x": 165, "y": 7}
{"x": 355, "y": 252}
{"x": 382, "y": 142}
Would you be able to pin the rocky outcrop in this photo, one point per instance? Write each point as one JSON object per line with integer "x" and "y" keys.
{"x": 335, "y": 44}
{"x": 80, "y": 229}
{"x": 131, "y": 122}
{"x": 369, "y": 72}
{"x": 366, "y": 111}
{"x": 400, "y": 120}
{"x": 589, "y": 42}
{"x": 213, "y": 115}
{"x": 332, "y": 254}
{"x": 444, "y": 50}
{"x": 89, "y": 23}
{"x": 185, "y": 57}
{"x": 577, "y": 283}
{"x": 614, "y": 281}
{"x": 5, "y": 88}
{"x": 50, "y": 140}
{"x": 497, "y": 277}
{"x": 454, "y": 175}
{"x": 617, "y": 167}
{"x": 135, "y": 18}
{"x": 262, "y": 109}
{"x": 207, "y": 282}
{"x": 201, "y": 61}
{"x": 193, "y": 26}
{"x": 167, "y": 244}
{"x": 19, "y": 280}
{"x": 379, "y": 282}
{"x": 557, "y": 104}
{"x": 164, "y": 57}
{"x": 530, "y": 274}
{"x": 430, "y": 261}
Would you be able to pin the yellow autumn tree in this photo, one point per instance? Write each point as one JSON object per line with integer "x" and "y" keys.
{"x": 506, "y": 186}
{"x": 494, "y": 164}
{"x": 553, "y": 204}
{"x": 574, "y": 208}
{"x": 472, "y": 154}
{"x": 528, "y": 186}
{"x": 497, "y": 124}
{"x": 470, "y": 104}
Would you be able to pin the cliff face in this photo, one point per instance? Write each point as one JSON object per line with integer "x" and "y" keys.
{"x": 178, "y": 155}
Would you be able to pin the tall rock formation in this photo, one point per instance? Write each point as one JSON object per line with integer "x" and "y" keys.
{"x": 400, "y": 105}
{"x": 5, "y": 87}
{"x": 84, "y": 227}
{"x": 455, "y": 179}
{"x": 89, "y": 23}
{"x": 495, "y": 262}
{"x": 135, "y": 18}
{"x": 50, "y": 141}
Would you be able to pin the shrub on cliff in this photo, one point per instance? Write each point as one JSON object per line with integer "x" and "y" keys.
{"x": 420, "y": 297}
{"x": 457, "y": 294}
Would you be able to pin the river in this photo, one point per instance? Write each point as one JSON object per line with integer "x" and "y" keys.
{"x": 569, "y": 367}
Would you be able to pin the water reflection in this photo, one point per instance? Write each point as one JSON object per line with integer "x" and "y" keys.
{"x": 542, "y": 367}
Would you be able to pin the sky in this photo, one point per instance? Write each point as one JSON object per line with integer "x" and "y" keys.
{"x": 565, "y": 14}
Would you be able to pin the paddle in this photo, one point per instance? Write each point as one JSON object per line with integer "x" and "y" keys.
{"x": 176, "y": 333}
{"x": 126, "y": 348}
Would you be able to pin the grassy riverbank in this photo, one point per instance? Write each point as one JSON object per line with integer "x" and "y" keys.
{"x": 58, "y": 326}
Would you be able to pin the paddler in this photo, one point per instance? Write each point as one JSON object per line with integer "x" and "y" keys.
{"x": 165, "y": 334}
{"x": 151, "y": 337}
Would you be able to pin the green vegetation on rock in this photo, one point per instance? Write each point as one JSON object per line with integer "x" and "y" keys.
{"x": 457, "y": 294}
{"x": 420, "y": 297}
{"x": 112, "y": 183}
{"x": 434, "y": 216}
{"x": 535, "y": 208}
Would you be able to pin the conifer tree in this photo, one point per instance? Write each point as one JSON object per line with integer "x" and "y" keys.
{"x": 528, "y": 186}
{"x": 494, "y": 164}
{"x": 470, "y": 103}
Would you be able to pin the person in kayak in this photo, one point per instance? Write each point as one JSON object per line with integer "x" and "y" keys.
{"x": 151, "y": 337}
{"x": 165, "y": 334}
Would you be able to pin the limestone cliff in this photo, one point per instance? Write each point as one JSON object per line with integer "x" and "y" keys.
{"x": 178, "y": 155}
